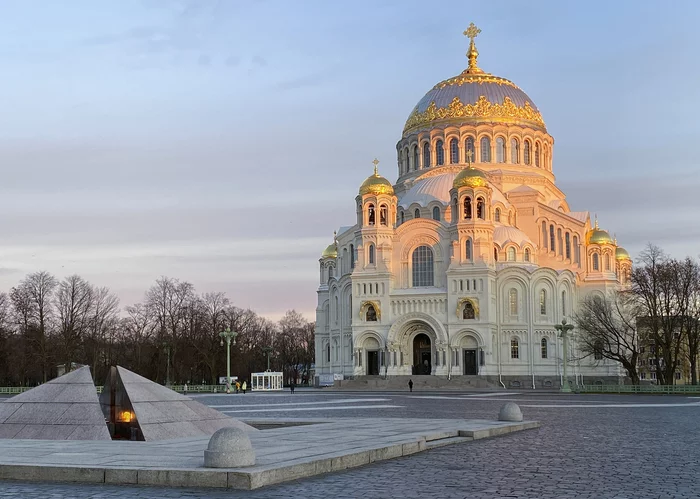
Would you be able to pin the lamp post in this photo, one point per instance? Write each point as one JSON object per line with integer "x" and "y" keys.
{"x": 228, "y": 335}
{"x": 564, "y": 328}
{"x": 268, "y": 351}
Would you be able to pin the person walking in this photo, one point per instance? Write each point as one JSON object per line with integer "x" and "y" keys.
{"x": 185, "y": 389}
{"x": 243, "y": 387}
{"x": 291, "y": 386}
{"x": 410, "y": 385}
{"x": 238, "y": 387}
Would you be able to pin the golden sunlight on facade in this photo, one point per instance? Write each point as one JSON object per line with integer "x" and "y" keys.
{"x": 466, "y": 263}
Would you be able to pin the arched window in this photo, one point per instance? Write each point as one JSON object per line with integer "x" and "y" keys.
{"x": 480, "y": 208}
{"x": 416, "y": 214}
{"x": 328, "y": 352}
{"x": 563, "y": 303}
{"x": 426, "y": 155}
{"x": 511, "y": 254}
{"x": 439, "y": 153}
{"x": 537, "y": 154}
{"x": 527, "y": 255}
{"x": 514, "y": 151}
{"x": 560, "y": 242}
{"x": 370, "y": 214}
{"x": 543, "y": 348}
{"x": 497, "y": 215}
{"x": 596, "y": 263}
{"x": 514, "y": 349}
{"x": 415, "y": 157}
{"x": 552, "y": 246}
{"x": 468, "y": 208}
{"x": 436, "y": 213}
{"x": 370, "y": 250}
{"x": 469, "y": 150}
{"x": 468, "y": 311}
{"x": 543, "y": 302}
{"x": 526, "y": 153}
{"x": 402, "y": 217}
{"x": 567, "y": 244}
{"x": 598, "y": 351}
{"x": 330, "y": 271}
{"x": 407, "y": 160}
{"x": 383, "y": 215}
{"x": 422, "y": 266}
{"x": 576, "y": 253}
{"x": 371, "y": 315}
{"x": 352, "y": 256}
{"x": 468, "y": 249}
{"x": 513, "y": 301}
{"x": 495, "y": 254}
{"x": 606, "y": 259}
{"x": 485, "y": 146}
{"x": 500, "y": 150}
{"x": 544, "y": 235}
{"x": 454, "y": 151}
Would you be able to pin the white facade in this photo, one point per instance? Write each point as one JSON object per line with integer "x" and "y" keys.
{"x": 455, "y": 270}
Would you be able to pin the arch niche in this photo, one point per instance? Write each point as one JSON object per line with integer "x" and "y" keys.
{"x": 420, "y": 343}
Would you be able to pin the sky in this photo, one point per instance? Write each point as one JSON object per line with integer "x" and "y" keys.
{"x": 222, "y": 142}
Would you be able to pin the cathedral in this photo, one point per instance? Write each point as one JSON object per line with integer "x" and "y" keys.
{"x": 464, "y": 266}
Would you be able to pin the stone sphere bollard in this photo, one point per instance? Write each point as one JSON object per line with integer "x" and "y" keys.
{"x": 510, "y": 412}
{"x": 229, "y": 448}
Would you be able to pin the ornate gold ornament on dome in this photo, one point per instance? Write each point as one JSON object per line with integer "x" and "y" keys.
{"x": 376, "y": 184}
{"x": 473, "y": 301}
{"x": 508, "y": 112}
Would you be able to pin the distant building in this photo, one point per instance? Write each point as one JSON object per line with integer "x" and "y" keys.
{"x": 649, "y": 352}
{"x": 466, "y": 262}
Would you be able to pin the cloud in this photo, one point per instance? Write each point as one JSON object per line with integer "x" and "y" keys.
{"x": 259, "y": 60}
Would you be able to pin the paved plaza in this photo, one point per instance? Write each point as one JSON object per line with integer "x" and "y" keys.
{"x": 588, "y": 446}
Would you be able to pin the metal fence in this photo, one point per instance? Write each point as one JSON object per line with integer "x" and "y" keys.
{"x": 650, "y": 389}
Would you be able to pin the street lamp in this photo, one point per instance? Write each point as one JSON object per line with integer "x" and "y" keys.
{"x": 228, "y": 335}
{"x": 268, "y": 351}
{"x": 564, "y": 330}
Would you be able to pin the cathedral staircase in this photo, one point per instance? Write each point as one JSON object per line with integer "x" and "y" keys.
{"x": 420, "y": 383}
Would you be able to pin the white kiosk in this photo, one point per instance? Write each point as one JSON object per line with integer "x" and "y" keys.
{"x": 266, "y": 381}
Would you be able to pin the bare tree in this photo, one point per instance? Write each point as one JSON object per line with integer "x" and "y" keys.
{"x": 39, "y": 288}
{"x": 691, "y": 324}
{"x": 102, "y": 322}
{"x": 607, "y": 327}
{"x": 73, "y": 302}
{"x": 138, "y": 331}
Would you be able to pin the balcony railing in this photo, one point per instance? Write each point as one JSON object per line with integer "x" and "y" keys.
{"x": 660, "y": 389}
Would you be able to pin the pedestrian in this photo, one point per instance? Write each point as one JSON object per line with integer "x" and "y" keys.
{"x": 410, "y": 385}
{"x": 238, "y": 387}
{"x": 185, "y": 389}
{"x": 291, "y": 386}
{"x": 243, "y": 387}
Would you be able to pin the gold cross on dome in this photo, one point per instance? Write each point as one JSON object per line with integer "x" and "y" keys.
{"x": 469, "y": 156}
{"x": 375, "y": 163}
{"x": 472, "y": 32}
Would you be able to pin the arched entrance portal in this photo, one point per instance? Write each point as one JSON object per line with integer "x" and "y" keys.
{"x": 422, "y": 363}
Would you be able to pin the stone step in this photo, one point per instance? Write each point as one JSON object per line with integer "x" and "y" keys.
{"x": 442, "y": 442}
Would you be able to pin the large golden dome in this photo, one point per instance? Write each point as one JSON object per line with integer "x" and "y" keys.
{"x": 474, "y": 97}
{"x": 330, "y": 252}
{"x": 598, "y": 236}
{"x": 376, "y": 184}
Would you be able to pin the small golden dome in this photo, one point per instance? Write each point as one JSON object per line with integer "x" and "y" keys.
{"x": 376, "y": 184}
{"x": 621, "y": 254}
{"x": 330, "y": 252}
{"x": 470, "y": 177}
{"x": 598, "y": 236}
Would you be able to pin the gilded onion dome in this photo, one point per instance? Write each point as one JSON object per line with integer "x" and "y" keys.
{"x": 330, "y": 252}
{"x": 470, "y": 177}
{"x": 621, "y": 254}
{"x": 598, "y": 236}
{"x": 474, "y": 97}
{"x": 376, "y": 184}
